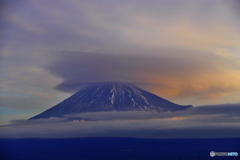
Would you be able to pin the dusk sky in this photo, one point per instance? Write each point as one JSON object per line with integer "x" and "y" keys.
{"x": 186, "y": 51}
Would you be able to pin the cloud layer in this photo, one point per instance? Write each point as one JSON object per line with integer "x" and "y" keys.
{"x": 168, "y": 72}
{"x": 219, "y": 121}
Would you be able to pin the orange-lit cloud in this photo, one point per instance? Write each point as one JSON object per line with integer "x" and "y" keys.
{"x": 173, "y": 118}
{"x": 180, "y": 76}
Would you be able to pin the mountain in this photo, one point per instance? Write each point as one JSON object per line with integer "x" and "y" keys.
{"x": 110, "y": 96}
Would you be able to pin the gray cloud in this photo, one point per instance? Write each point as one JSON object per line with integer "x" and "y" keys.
{"x": 218, "y": 113}
{"x": 199, "y": 122}
{"x": 82, "y": 67}
{"x": 165, "y": 69}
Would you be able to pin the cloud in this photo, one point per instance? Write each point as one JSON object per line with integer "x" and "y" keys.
{"x": 126, "y": 115}
{"x": 218, "y": 121}
{"x": 220, "y": 112}
{"x": 168, "y": 72}
{"x": 154, "y": 24}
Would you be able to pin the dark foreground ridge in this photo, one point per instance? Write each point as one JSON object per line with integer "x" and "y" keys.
{"x": 111, "y": 96}
{"x": 116, "y": 149}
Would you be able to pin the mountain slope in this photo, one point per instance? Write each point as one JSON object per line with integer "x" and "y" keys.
{"x": 110, "y": 96}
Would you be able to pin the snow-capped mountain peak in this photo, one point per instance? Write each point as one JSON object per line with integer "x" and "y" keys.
{"x": 110, "y": 96}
